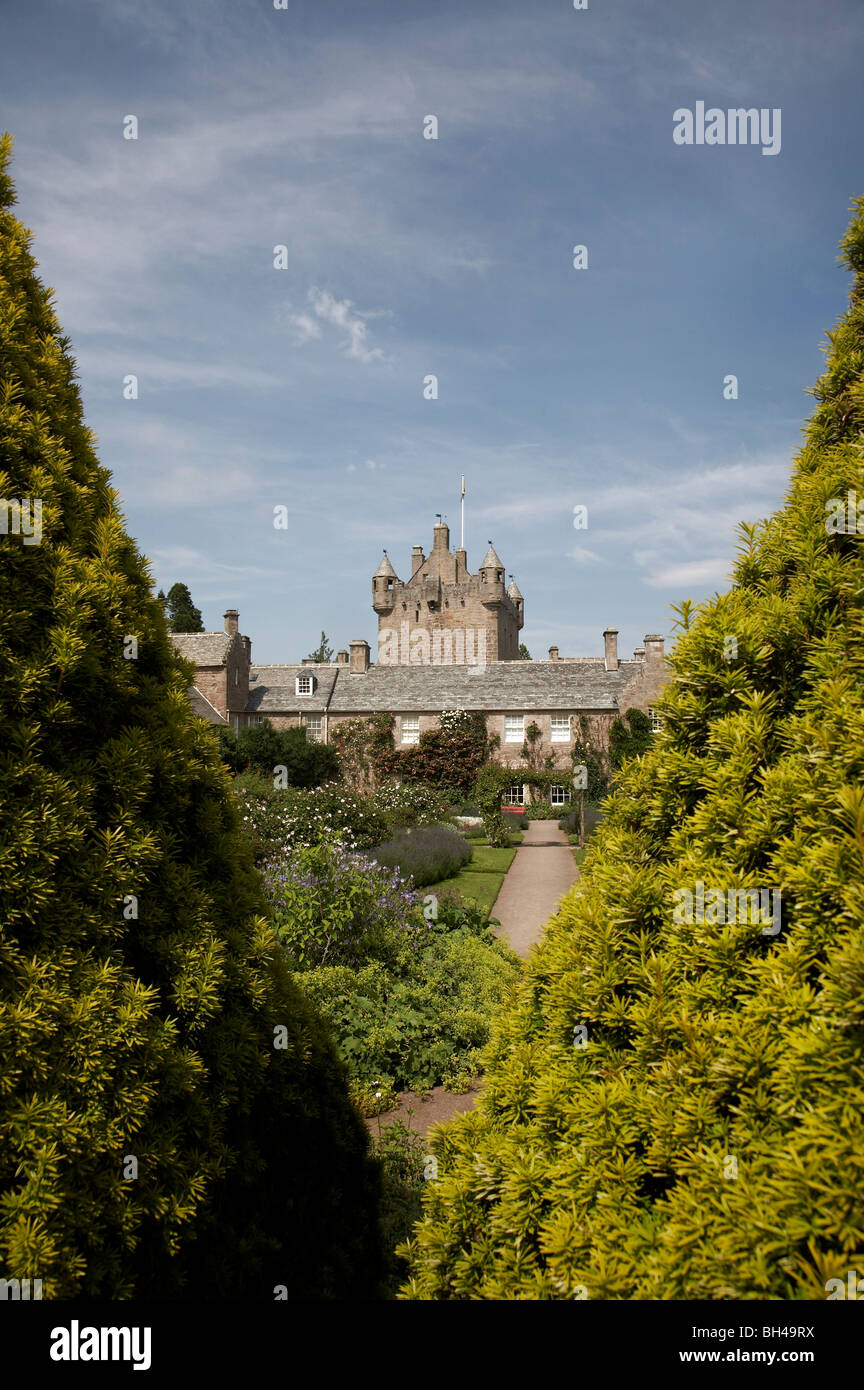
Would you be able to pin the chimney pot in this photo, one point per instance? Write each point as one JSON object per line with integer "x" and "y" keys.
{"x": 553, "y": 653}
{"x": 232, "y": 621}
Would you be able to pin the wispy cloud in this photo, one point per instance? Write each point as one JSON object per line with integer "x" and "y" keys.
{"x": 354, "y": 341}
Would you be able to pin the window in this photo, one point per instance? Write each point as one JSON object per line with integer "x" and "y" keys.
{"x": 252, "y": 720}
{"x": 313, "y": 728}
{"x": 235, "y": 723}
{"x": 656, "y": 721}
{"x": 559, "y": 796}
{"x": 560, "y": 728}
{"x": 305, "y": 683}
{"x": 411, "y": 728}
{"x": 514, "y": 728}
{"x": 516, "y": 795}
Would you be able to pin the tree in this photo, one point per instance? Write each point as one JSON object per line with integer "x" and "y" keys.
{"x": 629, "y": 737}
{"x": 524, "y": 654}
{"x": 182, "y": 614}
{"x": 675, "y": 1108}
{"x": 323, "y": 652}
{"x": 262, "y": 748}
{"x": 173, "y": 1117}
{"x": 448, "y": 757}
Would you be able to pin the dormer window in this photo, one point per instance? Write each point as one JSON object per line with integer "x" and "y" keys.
{"x": 305, "y": 683}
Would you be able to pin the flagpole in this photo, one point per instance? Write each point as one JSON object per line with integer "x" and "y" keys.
{"x": 463, "y": 513}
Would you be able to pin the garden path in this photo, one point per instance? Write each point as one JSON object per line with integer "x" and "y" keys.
{"x": 541, "y": 873}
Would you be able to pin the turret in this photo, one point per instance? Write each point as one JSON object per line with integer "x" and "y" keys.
{"x": 515, "y": 596}
{"x": 384, "y": 581}
{"x": 491, "y": 570}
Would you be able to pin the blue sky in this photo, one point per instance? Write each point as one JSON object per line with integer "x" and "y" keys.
{"x": 303, "y": 387}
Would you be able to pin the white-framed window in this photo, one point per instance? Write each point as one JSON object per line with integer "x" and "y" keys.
{"x": 313, "y": 724}
{"x": 656, "y": 721}
{"x": 235, "y": 723}
{"x": 560, "y": 796}
{"x": 516, "y": 795}
{"x": 305, "y": 683}
{"x": 514, "y": 728}
{"x": 410, "y": 726}
{"x": 560, "y": 728}
{"x": 252, "y": 720}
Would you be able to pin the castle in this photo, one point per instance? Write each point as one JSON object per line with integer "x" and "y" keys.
{"x": 462, "y": 618}
{"x": 447, "y": 639}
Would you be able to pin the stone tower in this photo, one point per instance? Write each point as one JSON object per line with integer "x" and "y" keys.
{"x": 443, "y": 614}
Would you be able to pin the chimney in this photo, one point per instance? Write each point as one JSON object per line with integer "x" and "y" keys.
{"x": 359, "y": 664}
{"x": 232, "y": 621}
{"x": 461, "y": 565}
{"x": 417, "y": 559}
{"x": 639, "y": 653}
{"x": 553, "y": 653}
{"x": 441, "y": 536}
{"x": 610, "y": 637}
{"x": 247, "y": 643}
{"x": 654, "y": 648}
{"x": 342, "y": 658}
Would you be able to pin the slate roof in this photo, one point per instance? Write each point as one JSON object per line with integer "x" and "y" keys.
{"x": 385, "y": 570}
{"x": 202, "y": 648}
{"x": 202, "y": 706}
{"x": 500, "y": 685}
{"x": 273, "y": 689}
{"x": 491, "y": 561}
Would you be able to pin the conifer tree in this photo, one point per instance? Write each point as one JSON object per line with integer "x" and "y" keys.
{"x": 183, "y": 616}
{"x": 173, "y": 1117}
{"x": 675, "y": 1110}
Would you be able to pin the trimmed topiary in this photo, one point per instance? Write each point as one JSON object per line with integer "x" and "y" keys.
{"x": 675, "y": 1110}
{"x": 173, "y": 1116}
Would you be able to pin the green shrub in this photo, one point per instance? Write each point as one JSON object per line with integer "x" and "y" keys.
{"x": 262, "y": 749}
{"x": 278, "y": 820}
{"x": 450, "y": 912}
{"x": 542, "y": 810}
{"x": 675, "y": 1109}
{"x": 629, "y": 737}
{"x": 332, "y": 907}
{"x": 448, "y": 757}
{"x": 410, "y": 803}
{"x": 426, "y": 854}
{"x": 401, "y": 1153}
{"x": 423, "y": 1023}
{"x": 141, "y": 989}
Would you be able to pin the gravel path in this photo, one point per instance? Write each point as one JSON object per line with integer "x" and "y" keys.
{"x": 540, "y": 875}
